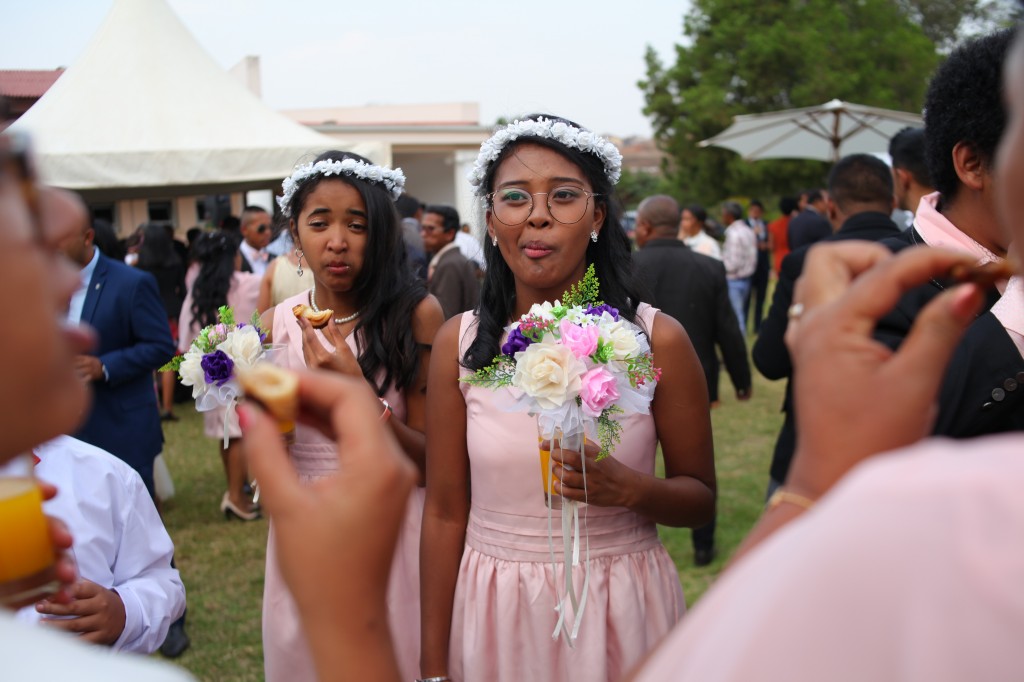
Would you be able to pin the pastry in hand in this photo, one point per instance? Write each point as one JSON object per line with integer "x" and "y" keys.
{"x": 273, "y": 388}
{"x": 985, "y": 275}
{"x": 319, "y": 319}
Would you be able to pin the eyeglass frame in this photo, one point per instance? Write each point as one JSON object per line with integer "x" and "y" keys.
{"x": 533, "y": 204}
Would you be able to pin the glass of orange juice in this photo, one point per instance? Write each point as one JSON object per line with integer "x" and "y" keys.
{"x": 557, "y": 441}
{"x": 27, "y": 557}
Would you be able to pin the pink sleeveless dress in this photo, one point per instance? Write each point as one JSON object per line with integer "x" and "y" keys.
{"x": 286, "y": 654}
{"x": 503, "y": 614}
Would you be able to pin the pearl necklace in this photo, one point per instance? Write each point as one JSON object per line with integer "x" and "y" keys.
{"x": 337, "y": 320}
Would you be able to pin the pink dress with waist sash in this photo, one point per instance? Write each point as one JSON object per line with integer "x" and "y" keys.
{"x": 503, "y": 614}
{"x": 286, "y": 654}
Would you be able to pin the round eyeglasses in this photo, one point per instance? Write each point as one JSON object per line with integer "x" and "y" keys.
{"x": 567, "y": 205}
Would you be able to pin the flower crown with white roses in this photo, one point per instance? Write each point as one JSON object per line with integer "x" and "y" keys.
{"x": 393, "y": 180}
{"x": 559, "y": 131}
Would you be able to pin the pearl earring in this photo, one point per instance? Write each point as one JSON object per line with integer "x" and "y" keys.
{"x": 593, "y": 236}
{"x": 298, "y": 254}
{"x": 494, "y": 240}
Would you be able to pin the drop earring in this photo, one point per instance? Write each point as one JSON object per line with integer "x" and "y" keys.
{"x": 494, "y": 240}
{"x": 593, "y": 236}
{"x": 298, "y": 254}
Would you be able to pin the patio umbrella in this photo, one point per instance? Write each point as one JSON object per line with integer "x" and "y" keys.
{"x": 825, "y": 132}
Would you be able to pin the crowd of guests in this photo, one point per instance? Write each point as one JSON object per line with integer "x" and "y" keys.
{"x": 408, "y": 536}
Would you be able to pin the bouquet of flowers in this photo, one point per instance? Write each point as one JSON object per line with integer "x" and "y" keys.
{"x": 210, "y": 364}
{"x": 575, "y": 364}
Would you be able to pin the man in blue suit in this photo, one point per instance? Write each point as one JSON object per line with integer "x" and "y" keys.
{"x": 123, "y": 305}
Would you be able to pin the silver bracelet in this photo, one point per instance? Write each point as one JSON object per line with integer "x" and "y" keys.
{"x": 442, "y": 678}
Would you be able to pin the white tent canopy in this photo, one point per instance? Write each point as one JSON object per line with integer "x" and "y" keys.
{"x": 825, "y": 132}
{"x": 146, "y": 107}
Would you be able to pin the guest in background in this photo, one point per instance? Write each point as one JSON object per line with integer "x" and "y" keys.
{"x": 255, "y": 228}
{"x": 778, "y": 232}
{"x": 691, "y": 288}
{"x": 214, "y": 281}
{"x": 740, "y": 258}
{"x": 910, "y": 172}
{"x": 159, "y": 257}
{"x": 691, "y": 232}
{"x": 810, "y": 225}
{"x": 451, "y": 278}
{"x": 759, "y": 280}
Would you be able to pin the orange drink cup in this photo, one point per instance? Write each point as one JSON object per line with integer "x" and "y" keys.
{"x": 27, "y": 557}
{"x": 547, "y": 478}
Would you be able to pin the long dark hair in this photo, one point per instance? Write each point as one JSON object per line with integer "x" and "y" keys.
{"x": 610, "y": 255}
{"x": 386, "y": 290}
{"x": 215, "y": 252}
{"x": 157, "y": 248}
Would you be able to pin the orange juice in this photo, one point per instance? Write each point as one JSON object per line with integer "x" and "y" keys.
{"x": 546, "y": 477}
{"x": 26, "y": 554}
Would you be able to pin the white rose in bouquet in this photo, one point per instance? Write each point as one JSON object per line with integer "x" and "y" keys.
{"x": 191, "y": 371}
{"x": 549, "y": 373}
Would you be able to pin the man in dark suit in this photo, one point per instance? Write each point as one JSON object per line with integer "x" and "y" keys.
{"x": 692, "y": 288}
{"x": 983, "y": 389}
{"x": 123, "y": 305}
{"x": 810, "y": 225}
{"x": 860, "y": 204}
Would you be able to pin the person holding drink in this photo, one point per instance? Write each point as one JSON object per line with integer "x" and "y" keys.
{"x": 487, "y": 576}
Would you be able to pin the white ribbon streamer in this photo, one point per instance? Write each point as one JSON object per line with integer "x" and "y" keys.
{"x": 571, "y": 534}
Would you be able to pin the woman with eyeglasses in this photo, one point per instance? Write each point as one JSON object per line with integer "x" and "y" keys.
{"x": 341, "y": 213}
{"x": 213, "y": 281}
{"x": 488, "y": 581}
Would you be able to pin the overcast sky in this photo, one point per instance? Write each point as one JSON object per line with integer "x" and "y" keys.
{"x": 576, "y": 58}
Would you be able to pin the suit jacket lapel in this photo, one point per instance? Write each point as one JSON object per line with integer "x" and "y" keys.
{"x": 95, "y": 289}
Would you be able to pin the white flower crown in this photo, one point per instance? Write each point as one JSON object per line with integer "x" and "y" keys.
{"x": 560, "y": 131}
{"x": 392, "y": 180}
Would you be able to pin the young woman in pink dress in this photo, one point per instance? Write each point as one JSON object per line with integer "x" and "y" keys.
{"x": 488, "y": 585}
{"x": 215, "y": 280}
{"x": 346, "y": 232}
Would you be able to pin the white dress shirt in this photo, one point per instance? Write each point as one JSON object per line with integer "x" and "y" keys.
{"x": 119, "y": 540}
{"x": 78, "y": 298}
{"x": 256, "y": 258}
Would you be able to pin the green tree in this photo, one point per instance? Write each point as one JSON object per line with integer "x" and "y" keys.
{"x": 749, "y": 56}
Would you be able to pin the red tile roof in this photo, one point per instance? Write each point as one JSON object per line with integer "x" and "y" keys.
{"x": 26, "y": 83}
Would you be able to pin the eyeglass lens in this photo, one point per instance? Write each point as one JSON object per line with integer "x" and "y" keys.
{"x": 513, "y": 206}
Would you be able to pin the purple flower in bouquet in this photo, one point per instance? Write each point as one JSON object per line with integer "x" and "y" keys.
{"x": 516, "y": 343}
{"x": 217, "y": 367}
{"x": 603, "y": 308}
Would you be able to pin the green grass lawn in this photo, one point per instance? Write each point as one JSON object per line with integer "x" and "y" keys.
{"x": 221, "y": 562}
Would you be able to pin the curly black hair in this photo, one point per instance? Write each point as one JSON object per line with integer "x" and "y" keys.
{"x": 387, "y": 292}
{"x": 610, "y": 254}
{"x": 965, "y": 104}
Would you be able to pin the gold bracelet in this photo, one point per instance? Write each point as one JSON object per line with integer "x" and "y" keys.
{"x": 781, "y": 495}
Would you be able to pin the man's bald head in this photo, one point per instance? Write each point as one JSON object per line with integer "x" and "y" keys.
{"x": 661, "y": 213}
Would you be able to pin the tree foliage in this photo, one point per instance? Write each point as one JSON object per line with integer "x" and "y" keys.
{"x": 750, "y": 56}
